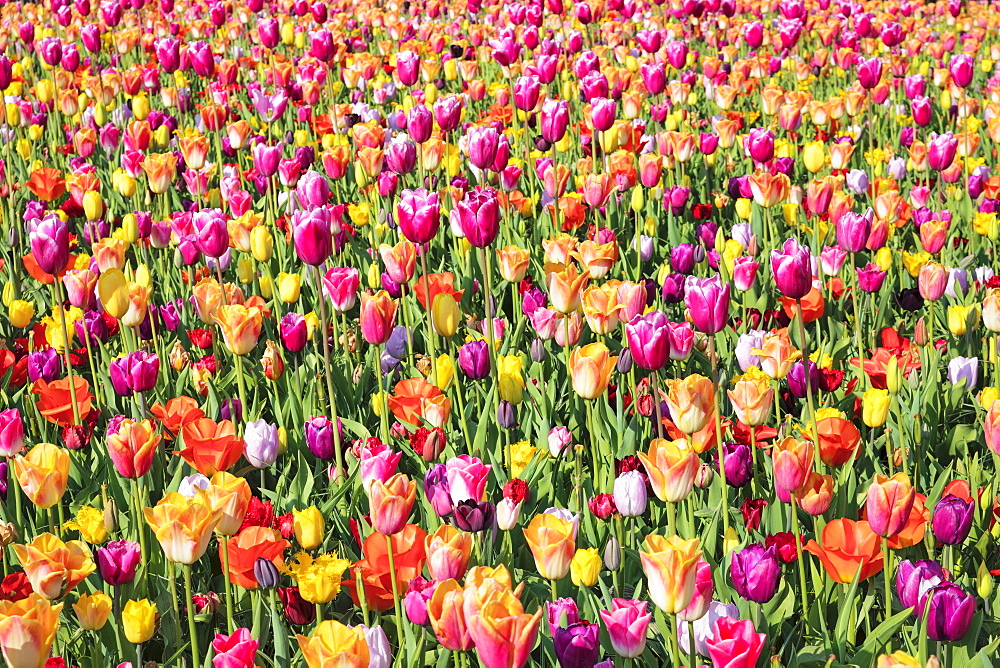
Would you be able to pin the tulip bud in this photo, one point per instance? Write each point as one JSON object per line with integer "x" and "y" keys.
{"x": 893, "y": 376}
{"x": 266, "y": 573}
{"x": 705, "y": 476}
{"x": 624, "y": 361}
{"x": 920, "y": 336}
{"x": 111, "y": 516}
{"x": 612, "y": 554}
{"x": 506, "y": 415}
{"x": 984, "y": 581}
{"x": 538, "y": 352}
{"x": 8, "y": 534}
{"x": 261, "y": 243}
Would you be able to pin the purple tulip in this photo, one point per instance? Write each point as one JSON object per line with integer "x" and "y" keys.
{"x": 141, "y": 370}
{"x": 914, "y": 579}
{"x": 320, "y": 438}
{"x": 853, "y": 230}
{"x": 294, "y": 332}
{"x": 707, "y": 299}
{"x": 949, "y": 612}
{"x": 117, "y": 561}
{"x": 437, "y": 491}
{"x": 739, "y": 464}
{"x": 791, "y": 269}
{"x": 474, "y": 359}
{"x": 578, "y": 645}
{"x": 49, "y": 238}
{"x": 952, "y": 519}
{"x": 755, "y": 571}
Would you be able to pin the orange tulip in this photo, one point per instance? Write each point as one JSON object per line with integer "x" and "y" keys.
{"x": 376, "y": 578}
{"x": 333, "y": 644}
{"x": 391, "y": 503}
{"x": 502, "y": 633}
{"x": 54, "y": 567}
{"x": 378, "y": 316}
{"x": 838, "y": 440}
{"x": 597, "y": 259}
{"x": 400, "y": 260}
{"x": 889, "y": 503}
{"x": 670, "y": 566}
{"x": 231, "y": 496}
{"x": 240, "y": 327}
{"x": 208, "y": 296}
{"x": 565, "y": 288}
{"x": 46, "y": 184}
{"x": 55, "y": 403}
{"x": 691, "y": 401}
{"x": 847, "y": 547}
{"x": 178, "y": 412}
{"x": 426, "y": 288}
{"x": 671, "y": 467}
{"x": 27, "y": 629}
{"x": 211, "y": 446}
{"x": 448, "y": 551}
{"x": 601, "y": 308}
{"x": 590, "y": 368}
{"x": 769, "y": 189}
{"x": 160, "y": 170}
{"x": 552, "y": 543}
{"x": 445, "y": 610}
{"x": 513, "y": 263}
{"x": 43, "y": 473}
{"x": 251, "y": 544}
{"x": 411, "y": 398}
{"x": 183, "y": 526}
{"x": 559, "y": 250}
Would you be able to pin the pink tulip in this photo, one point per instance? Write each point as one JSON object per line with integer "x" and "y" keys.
{"x": 791, "y": 269}
{"x": 853, "y": 230}
{"x": 378, "y": 462}
{"x": 479, "y": 216}
{"x": 407, "y": 67}
{"x": 401, "y": 155}
{"x": 555, "y": 120}
{"x": 707, "y": 299}
{"x": 418, "y": 215}
{"x": 745, "y": 272}
{"x": 649, "y": 340}
{"x": 704, "y": 587}
{"x": 467, "y": 477}
{"x": 11, "y": 432}
{"x": 238, "y": 650}
{"x": 922, "y": 111}
{"x": 420, "y": 123}
{"x": 962, "y": 69}
{"x": 312, "y": 235}
{"x": 735, "y": 644}
{"x": 627, "y": 623}
{"x": 941, "y": 151}
{"x": 869, "y": 72}
{"x": 654, "y": 77}
{"x": 526, "y": 93}
{"x": 760, "y": 144}
{"x": 341, "y": 286}
{"x": 602, "y": 113}
{"x": 681, "y": 341}
{"x": 265, "y": 158}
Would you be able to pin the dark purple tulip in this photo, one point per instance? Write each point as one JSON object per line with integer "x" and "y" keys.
{"x": 49, "y": 239}
{"x": 755, "y": 571}
{"x": 739, "y": 464}
{"x": 231, "y": 409}
{"x": 673, "y": 288}
{"x": 319, "y": 437}
{"x": 117, "y": 561}
{"x": 952, "y": 519}
{"x": 266, "y": 573}
{"x": 682, "y": 258}
{"x": 474, "y": 516}
{"x": 437, "y": 491}
{"x": 578, "y": 645}
{"x": 92, "y": 326}
{"x": 44, "y": 364}
{"x": 914, "y": 579}
{"x": 474, "y": 359}
{"x": 949, "y": 612}
{"x": 141, "y": 370}
{"x": 797, "y": 378}
{"x": 4, "y": 480}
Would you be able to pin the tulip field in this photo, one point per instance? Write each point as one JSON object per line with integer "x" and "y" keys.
{"x": 577, "y": 333}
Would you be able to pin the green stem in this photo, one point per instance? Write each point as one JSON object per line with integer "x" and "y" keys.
{"x": 229, "y": 587}
{"x": 192, "y": 629}
{"x": 340, "y": 477}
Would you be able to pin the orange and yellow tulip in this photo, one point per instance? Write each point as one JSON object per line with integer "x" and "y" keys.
{"x": 552, "y": 542}
{"x": 54, "y": 567}
{"x": 590, "y": 368}
{"x": 43, "y": 473}
{"x": 183, "y": 526}
{"x": 670, "y": 566}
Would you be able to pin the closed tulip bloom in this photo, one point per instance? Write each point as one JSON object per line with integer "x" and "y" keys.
{"x": 760, "y": 144}
{"x": 240, "y": 327}
{"x": 11, "y": 432}
{"x": 514, "y": 263}
{"x": 312, "y": 235}
{"x": 554, "y": 119}
{"x": 117, "y": 561}
{"x": 691, "y": 402}
{"x": 400, "y": 260}
{"x": 735, "y": 643}
{"x": 445, "y": 610}
{"x": 949, "y": 612}
{"x": 577, "y": 644}
{"x": 670, "y": 567}
{"x": 875, "y": 407}
{"x": 941, "y": 151}
{"x": 962, "y": 69}
{"x": 502, "y": 633}
{"x": 853, "y": 230}
{"x": 791, "y": 269}
{"x": 27, "y": 629}
{"x": 630, "y": 494}
{"x": 418, "y": 215}
{"x": 590, "y": 369}
{"x": 869, "y": 72}
{"x": 585, "y": 568}
{"x": 649, "y": 340}
{"x": 671, "y": 467}
{"x": 755, "y": 572}
{"x": 43, "y": 473}
{"x": 378, "y": 316}
{"x": 815, "y": 494}
{"x": 627, "y": 623}
{"x": 391, "y": 503}
{"x": 752, "y": 397}
{"x": 93, "y": 610}
{"x": 260, "y": 443}
{"x": 49, "y": 240}
{"x": 914, "y": 579}
{"x": 139, "y": 620}
{"x": 483, "y": 142}
{"x": 183, "y": 526}
{"x": 888, "y": 504}
{"x": 776, "y": 354}
{"x": 707, "y": 300}
{"x": 952, "y": 519}
{"x": 793, "y": 460}
{"x": 474, "y": 359}
{"x": 341, "y": 286}
{"x": 479, "y": 216}
{"x": 309, "y": 527}
{"x": 132, "y": 447}
{"x": 53, "y": 567}
{"x": 448, "y": 551}
{"x": 552, "y": 543}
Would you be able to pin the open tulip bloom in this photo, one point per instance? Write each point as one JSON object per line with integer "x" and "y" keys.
{"x": 551, "y": 332}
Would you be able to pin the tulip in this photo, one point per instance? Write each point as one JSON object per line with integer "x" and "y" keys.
{"x": 760, "y": 144}
{"x": 260, "y": 443}
{"x": 752, "y": 398}
{"x": 11, "y": 432}
{"x": 183, "y": 526}
{"x": 118, "y": 561}
{"x": 132, "y": 447}
{"x": 332, "y": 643}
{"x": 585, "y": 568}
{"x": 691, "y": 402}
{"x": 578, "y": 644}
{"x": 627, "y": 623}
{"x": 237, "y": 650}
{"x": 240, "y": 327}
{"x": 914, "y": 580}
{"x": 869, "y": 72}
{"x": 554, "y": 119}
{"x": 312, "y": 236}
{"x": 378, "y": 315}
{"x": 479, "y": 216}
{"x": 590, "y": 369}
{"x": 418, "y": 215}
{"x": 952, "y": 519}
{"x": 670, "y": 568}
{"x": 43, "y": 474}
{"x": 93, "y": 610}
{"x": 448, "y": 552}
{"x": 949, "y": 612}
{"x": 888, "y": 504}
{"x": 630, "y": 494}
{"x": 503, "y": 634}
{"x": 735, "y": 643}
{"x": 27, "y": 629}
{"x": 53, "y": 567}
{"x": 648, "y": 340}
{"x": 552, "y": 544}
{"x": 391, "y": 503}
{"x": 755, "y": 572}
{"x": 707, "y": 300}
{"x": 853, "y": 230}
{"x": 791, "y": 269}
{"x": 49, "y": 239}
